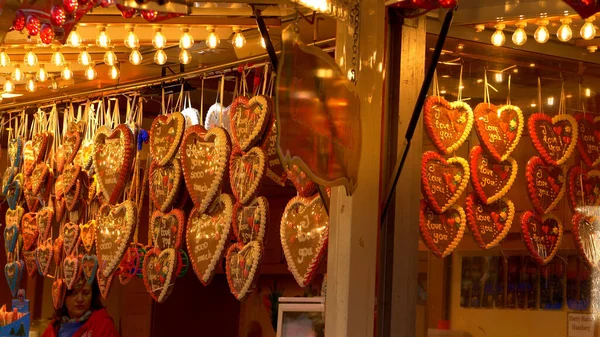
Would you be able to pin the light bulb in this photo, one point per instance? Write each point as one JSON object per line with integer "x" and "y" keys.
{"x": 66, "y": 74}
{"x": 263, "y": 43}
{"x": 57, "y": 58}
{"x": 238, "y": 40}
{"x": 131, "y": 40}
{"x": 54, "y": 84}
{"x": 588, "y": 30}
{"x": 186, "y": 41}
{"x": 30, "y": 59}
{"x": 42, "y": 74}
{"x": 135, "y": 57}
{"x": 113, "y": 72}
{"x": 4, "y": 58}
{"x": 519, "y": 37}
{"x": 498, "y": 37}
{"x": 564, "y": 32}
{"x": 542, "y": 35}
{"x": 17, "y": 74}
{"x": 31, "y": 86}
{"x": 9, "y": 86}
{"x": 159, "y": 41}
{"x": 74, "y": 39}
{"x": 160, "y": 57}
{"x": 84, "y": 58}
{"x": 212, "y": 40}
{"x": 499, "y": 77}
{"x": 185, "y": 57}
{"x": 103, "y": 40}
{"x": 110, "y": 58}
{"x": 90, "y": 72}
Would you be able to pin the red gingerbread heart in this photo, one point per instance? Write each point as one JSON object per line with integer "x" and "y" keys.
{"x": 275, "y": 170}
{"x": 71, "y": 270}
{"x": 159, "y": 273}
{"x": 39, "y": 176}
{"x": 165, "y": 183}
{"x": 498, "y": 128}
{"x": 35, "y": 151}
{"x": 167, "y": 229}
{"x": 70, "y": 235}
{"x": 29, "y": 230}
{"x": 588, "y": 142}
{"x": 59, "y": 291}
{"x": 542, "y": 235}
{"x": 586, "y": 195}
{"x": 246, "y": 171}
{"x": 114, "y": 229}
{"x": 242, "y": 267}
{"x": 554, "y": 138}
{"x": 249, "y": 120}
{"x": 165, "y": 136}
{"x": 546, "y": 184}
{"x": 491, "y": 181}
{"x": 250, "y": 221}
{"x": 584, "y": 229}
{"x": 304, "y": 185}
{"x": 70, "y": 146}
{"x": 44, "y": 222}
{"x": 447, "y": 124}
{"x": 30, "y": 264}
{"x": 441, "y": 233}
{"x": 443, "y": 181}
{"x": 490, "y": 224}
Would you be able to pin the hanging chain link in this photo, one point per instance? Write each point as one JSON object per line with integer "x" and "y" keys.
{"x": 354, "y": 22}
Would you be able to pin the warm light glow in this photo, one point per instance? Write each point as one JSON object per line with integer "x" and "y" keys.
{"x": 588, "y": 92}
{"x": 113, "y": 73}
{"x": 90, "y": 72}
{"x": 135, "y": 57}
{"x": 263, "y": 43}
{"x": 42, "y": 74}
{"x": 57, "y": 59}
{"x": 31, "y": 86}
{"x": 588, "y": 30}
{"x": 564, "y": 32}
{"x": 533, "y": 105}
{"x": 66, "y": 74}
{"x": 498, "y": 38}
{"x": 17, "y": 74}
{"x": 74, "y": 39}
{"x": 479, "y": 81}
{"x": 54, "y": 84}
{"x": 84, "y": 58}
{"x": 519, "y": 37}
{"x": 132, "y": 40}
{"x": 187, "y": 40}
{"x": 542, "y": 35}
{"x": 160, "y": 57}
{"x": 103, "y": 40}
{"x": 479, "y": 28}
{"x": 592, "y": 49}
{"x": 532, "y": 65}
{"x": 110, "y": 58}
{"x": 212, "y": 40}
{"x": 30, "y": 59}
{"x": 159, "y": 41}
{"x": 9, "y": 86}
{"x": 499, "y": 77}
{"x": 4, "y": 58}
{"x": 185, "y": 57}
{"x": 550, "y": 101}
{"x": 443, "y": 92}
{"x": 323, "y": 6}
{"x": 238, "y": 40}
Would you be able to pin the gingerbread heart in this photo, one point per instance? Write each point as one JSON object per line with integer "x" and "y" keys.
{"x": 71, "y": 144}
{"x": 167, "y": 229}
{"x": 584, "y": 187}
{"x": 72, "y": 197}
{"x": 246, "y": 171}
{"x": 44, "y": 222}
{"x": 8, "y": 177}
{"x": 218, "y": 116}
{"x": 15, "y": 147}
{"x": 585, "y": 233}
{"x": 204, "y": 157}
{"x": 542, "y": 235}
{"x": 554, "y": 138}
{"x": 304, "y": 233}
{"x": 43, "y": 256}
{"x": 165, "y": 136}
{"x": 249, "y": 120}
{"x": 159, "y": 273}
{"x": 59, "y": 290}
{"x": 443, "y": 181}
{"x": 31, "y": 199}
{"x": 58, "y": 250}
{"x": 206, "y": 237}
{"x": 71, "y": 270}
{"x": 29, "y": 230}
{"x": 59, "y": 159}
{"x": 250, "y": 222}
{"x": 85, "y": 154}
{"x": 441, "y": 233}
{"x": 88, "y": 235}
{"x": 165, "y": 183}
{"x": 30, "y": 263}
{"x": 61, "y": 206}
{"x": 70, "y": 235}
{"x": 114, "y": 229}
{"x": 89, "y": 267}
{"x": 242, "y": 267}
{"x": 490, "y": 224}
{"x": 69, "y": 177}
{"x": 130, "y": 265}
{"x": 38, "y": 177}
{"x": 13, "y": 272}
{"x": 113, "y": 154}
{"x": 14, "y": 216}
{"x": 304, "y": 185}
{"x": 104, "y": 283}
{"x": 588, "y": 142}
{"x": 447, "y": 124}
{"x": 546, "y": 184}
{"x": 499, "y": 129}
{"x": 34, "y": 151}
{"x": 275, "y": 170}
{"x": 13, "y": 194}
{"x": 11, "y": 235}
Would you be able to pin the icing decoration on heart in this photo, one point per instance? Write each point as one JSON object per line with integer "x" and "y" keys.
{"x": 72, "y": 197}
{"x": 13, "y": 272}
{"x": 205, "y": 157}
{"x": 11, "y": 234}
{"x": 59, "y": 290}
{"x": 104, "y": 283}
{"x": 38, "y": 177}
{"x": 70, "y": 176}
{"x": 491, "y": 223}
{"x": 35, "y": 151}
{"x": 30, "y": 263}
{"x": 275, "y": 170}
{"x": 499, "y": 129}
{"x": 14, "y": 216}
{"x": 206, "y": 237}
{"x": 443, "y": 181}
{"x": 71, "y": 144}
{"x": 88, "y": 235}
{"x": 588, "y": 142}
{"x": 8, "y": 177}
{"x": 89, "y": 267}
{"x": 14, "y": 192}
{"x": 70, "y": 235}
{"x": 167, "y": 229}
{"x": 250, "y": 222}
{"x": 59, "y": 159}
{"x": 249, "y": 120}
{"x": 554, "y": 138}
{"x": 590, "y": 189}
{"x": 71, "y": 270}
{"x": 542, "y": 235}
{"x": 246, "y": 171}
{"x": 546, "y": 184}
{"x": 43, "y": 256}
{"x": 448, "y": 124}
{"x": 113, "y": 154}
{"x": 32, "y": 200}
{"x": 15, "y": 147}
{"x": 165, "y": 182}
{"x": 130, "y": 265}
{"x": 243, "y": 262}
{"x": 44, "y": 222}
{"x": 60, "y": 206}
{"x": 304, "y": 233}
{"x": 441, "y": 233}
{"x": 85, "y": 154}
{"x": 218, "y": 116}
{"x": 47, "y": 188}
{"x": 304, "y": 185}
{"x": 585, "y": 231}
{"x": 114, "y": 229}
{"x": 165, "y": 136}
{"x": 159, "y": 273}
{"x": 29, "y": 230}
{"x": 57, "y": 249}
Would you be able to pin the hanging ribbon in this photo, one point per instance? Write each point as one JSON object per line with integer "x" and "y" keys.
{"x": 508, "y": 91}
{"x": 436, "y": 88}
{"x": 540, "y": 95}
{"x": 460, "y": 84}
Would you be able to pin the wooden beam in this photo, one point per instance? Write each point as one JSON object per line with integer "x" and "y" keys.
{"x": 192, "y": 20}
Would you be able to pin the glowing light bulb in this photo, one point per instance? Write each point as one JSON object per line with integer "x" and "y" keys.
{"x": 9, "y": 86}
{"x": 519, "y": 37}
{"x": 66, "y": 74}
{"x": 160, "y": 57}
{"x": 212, "y": 40}
{"x": 30, "y": 59}
{"x": 103, "y": 40}
{"x": 132, "y": 40}
{"x": 588, "y": 92}
{"x": 4, "y": 58}
{"x": 498, "y": 38}
{"x": 74, "y": 39}
{"x": 564, "y": 32}
{"x": 238, "y": 40}
{"x": 90, "y": 72}
{"x": 42, "y": 74}
{"x": 31, "y": 86}
{"x": 499, "y": 77}
{"x": 84, "y": 58}
{"x": 185, "y": 57}
{"x": 186, "y": 41}
{"x": 588, "y": 30}
{"x": 542, "y": 35}
{"x": 113, "y": 73}
{"x": 17, "y": 74}
{"x": 57, "y": 59}
{"x": 159, "y": 41}
{"x": 135, "y": 57}
{"x": 110, "y": 58}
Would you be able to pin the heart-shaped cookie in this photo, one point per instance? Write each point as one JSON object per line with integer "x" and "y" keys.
{"x": 8, "y": 177}
{"x": 554, "y": 138}
{"x": 113, "y": 154}
{"x": 250, "y": 222}
{"x": 44, "y": 222}
{"x": 447, "y": 124}
{"x": 43, "y": 256}
{"x": 85, "y": 154}
{"x": 499, "y": 129}
{"x": 204, "y": 157}
{"x": 165, "y": 136}
{"x": 165, "y": 183}
{"x": 130, "y": 265}
{"x": 70, "y": 235}
{"x": 304, "y": 185}
{"x": 60, "y": 206}
{"x": 443, "y": 181}
{"x": 11, "y": 235}
{"x": 14, "y": 193}
{"x": 583, "y": 187}
{"x": 71, "y": 144}
{"x": 218, "y": 116}
{"x": 249, "y": 120}
{"x": 59, "y": 290}
{"x": 29, "y": 230}
{"x": 14, "y": 216}
{"x": 588, "y": 142}
{"x": 58, "y": 250}
{"x": 546, "y": 184}
{"x": 73, "y": 196}
{"x": 114, "y": 229}
{"x": 441, "y": 233}
{"x": 13, "y": 272}
{"x": 88, "y": 235}
{"x": 38, "y": 177}
{"x": 31, "y": 199}
{"x": 275, "y": 170}
{"x": 206, "y": 237}
{"x": 71, "y": 270}
{"x": 585, "y": 234}
{"x": 542, "y": 235}
{"x": 59, "y": 159}
{"x": 15, "y": 147}
{"x": 246, "y": 171}
{"x": 159, "y": 273}
{"x": 491, "y": 223}
{"x": 304, "y": 233}
{"x": 104, "y": 283}
{"x": 69, "y": 177}
{"x": 167, "y": 229}
{"x": 30, "y": 263}
{"x": 89, "y": 266}
{"x": 35, "y": 151}
{"x": 242, "y": 267}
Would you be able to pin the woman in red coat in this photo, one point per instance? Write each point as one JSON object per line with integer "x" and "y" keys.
{"x": 82, "y": 315}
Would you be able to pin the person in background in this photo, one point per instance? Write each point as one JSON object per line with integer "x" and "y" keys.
{"x": 82, "y": 314}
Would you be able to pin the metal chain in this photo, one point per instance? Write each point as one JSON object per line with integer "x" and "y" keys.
{"x": 354, "y": 23}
